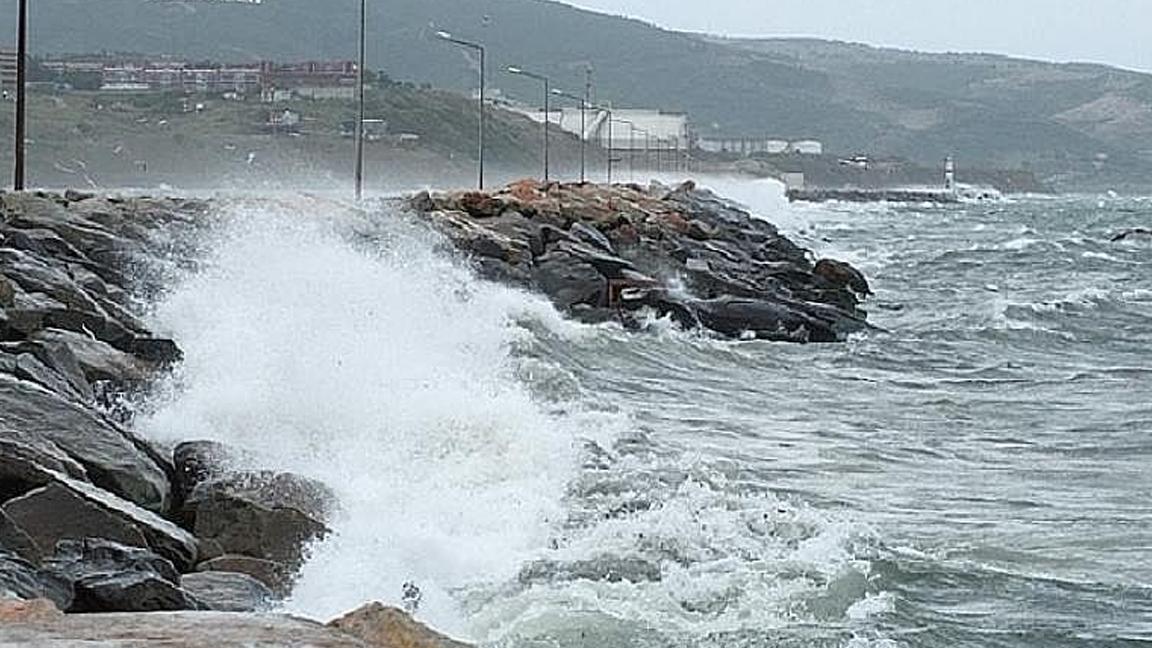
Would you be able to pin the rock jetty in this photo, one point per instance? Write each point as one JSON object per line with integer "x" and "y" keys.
{"x": 613, "y": 253}
{"x": 106, "y": 537}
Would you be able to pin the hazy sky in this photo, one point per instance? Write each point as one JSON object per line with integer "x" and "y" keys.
{"x": 1118, "y": 32}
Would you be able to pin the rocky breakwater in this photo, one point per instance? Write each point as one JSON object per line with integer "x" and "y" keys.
{"x": 104, "y": 535}
{"x": 616, "y": 253}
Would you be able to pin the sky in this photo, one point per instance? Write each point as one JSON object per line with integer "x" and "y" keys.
{"x": 1116, "y": 32}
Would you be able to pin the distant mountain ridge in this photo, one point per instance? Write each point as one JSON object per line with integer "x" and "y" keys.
{"x": 1080, "y": 126}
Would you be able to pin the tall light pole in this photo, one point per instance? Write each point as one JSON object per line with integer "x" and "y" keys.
{"x": 583, "y": 130}
{"x": 547, "y": 112}
{"x": 21, "y": 93}
{"x": 476, "y": 47}
{"x": 359, "y": 173}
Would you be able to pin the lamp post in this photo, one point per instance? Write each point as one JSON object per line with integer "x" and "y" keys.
{"x": 607, "y": 108}
{"x": 583, "y": 130}
{"x": 479, "y": 49}
{"x": 21, "y": 93}
{"x": 547, "y": 113}
{"x": 359, "y": 172}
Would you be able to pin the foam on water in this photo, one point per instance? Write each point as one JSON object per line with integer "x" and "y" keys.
{"x": 382, "y": 369}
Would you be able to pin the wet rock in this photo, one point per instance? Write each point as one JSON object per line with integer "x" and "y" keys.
{"x": 273, "y": 516}
{"x": 21, "y": 579}
{"x": 69, "y": 509}
{"x": 78, "y": 559}
{"x": 195, "y": 462}
{"x": 570, "y": 281}
{"x": 110, "y": 577}
{"x": 228, "y": 591}
{"x": 660, "y": 240}
{"x": 278, "y": 577}
{"x": 384, "y": 627}
{"x": 158, "y": 351}
{"x": 112, "y": 458}
{"x": 130, "y": 591}
{"x": 98, "y": 360}
{"x": 7, "y": 292}
{"x": 841, "y": 274}
{"x": 61, "y": 360}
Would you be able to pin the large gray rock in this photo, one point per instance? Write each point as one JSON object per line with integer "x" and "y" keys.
{"x": 70, "y": 509}
{"x": 112, "y": 457}
{"x": 273, "y": 516}
{"x": 110, "y": 577}
{"x": 130, "y": 591}
{"x": 98, "y": 360}
{"x": 278, "y": 577}
{"x": 21, "y": 579}
{"x": 569, "y": 280}
{"x": 228, "y": 591}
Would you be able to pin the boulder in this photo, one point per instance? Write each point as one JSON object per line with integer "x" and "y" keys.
{"x": 70, "y": 509}
{"x": 386, "y": 627}
{"x": 98, "y": 360}
{"x": 764, "y": 320}
{"x": 272, "y": 516}
{"x": 195, "y": 462}
{"x": 60, "y": 359}
{"x": 840, "y": 275}
{"x": 228, "y": 591}
{"x": 278, "y": 577}
{"x": 110, "y": 577}
{"x": 112, "y": 458}
{"x": 130, "y": 591}
{"x": 569, "y": 280}
{"x": 21, "y": 579}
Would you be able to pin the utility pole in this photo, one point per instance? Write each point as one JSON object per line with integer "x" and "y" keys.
{"x": 583, "y": 129}
{"x": 359, "y": 173}
{"x": 476, "y": 47}
{"x": 547, "y": 111}
{"x": 21, "y": 94}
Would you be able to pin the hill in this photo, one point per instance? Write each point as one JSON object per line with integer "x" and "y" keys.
{"x": 1076, "y": 126}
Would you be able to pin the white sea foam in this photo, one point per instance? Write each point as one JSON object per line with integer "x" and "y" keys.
{"x": 382, "y": 369}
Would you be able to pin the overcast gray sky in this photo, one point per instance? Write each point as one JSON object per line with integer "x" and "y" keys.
{"x": 1118, "y": 32}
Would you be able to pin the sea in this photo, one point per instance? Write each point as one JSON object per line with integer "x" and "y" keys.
{"x": 975, "y": 471}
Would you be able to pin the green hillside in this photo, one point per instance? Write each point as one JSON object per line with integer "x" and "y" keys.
{"x": 1079, "y": 126}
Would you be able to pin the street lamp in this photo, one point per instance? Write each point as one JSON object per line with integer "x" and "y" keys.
{"x": 547, "y": 92}
{"x": 359, "y": 173}
{"x": 583, "y": 130}
{"x": 21, "y": 92}
{"x": 477, "y": 47}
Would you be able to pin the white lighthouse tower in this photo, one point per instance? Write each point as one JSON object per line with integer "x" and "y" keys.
{"x": 949, "y": 174}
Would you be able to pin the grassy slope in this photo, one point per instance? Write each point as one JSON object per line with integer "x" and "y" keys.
{"x": 80, "y": 138}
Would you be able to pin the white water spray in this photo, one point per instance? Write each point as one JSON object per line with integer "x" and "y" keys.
{"x": 382, "y": 369}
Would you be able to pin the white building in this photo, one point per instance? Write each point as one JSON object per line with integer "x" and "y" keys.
{"x": 806, "y": 147}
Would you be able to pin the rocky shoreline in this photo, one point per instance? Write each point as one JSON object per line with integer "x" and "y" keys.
{"x": 107, "y": 536}
{"x": 622, "y": 252}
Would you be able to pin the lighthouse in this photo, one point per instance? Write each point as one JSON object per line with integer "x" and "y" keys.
{"x": 949, "y": 174}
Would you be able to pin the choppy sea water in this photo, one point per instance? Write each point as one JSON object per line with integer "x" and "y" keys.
{"x": 974, "y": 473}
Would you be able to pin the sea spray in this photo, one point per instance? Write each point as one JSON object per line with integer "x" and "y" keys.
{"x": 344, "y": 347}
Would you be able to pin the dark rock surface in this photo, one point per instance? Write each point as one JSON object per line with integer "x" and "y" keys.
{"x": 110, "y": 577}
{"x": 228, "y": 591}
{"x": 609, "y": 252}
